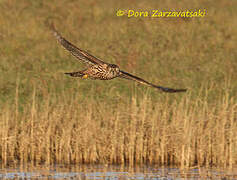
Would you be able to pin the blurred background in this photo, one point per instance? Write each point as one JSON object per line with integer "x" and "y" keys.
{"x": 174, "y": 52}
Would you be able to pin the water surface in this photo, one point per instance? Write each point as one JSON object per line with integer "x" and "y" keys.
{"x": 99, "y": 172}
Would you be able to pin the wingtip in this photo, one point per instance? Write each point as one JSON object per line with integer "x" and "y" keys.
{"x": 177, "y": 90}
{"x": 169, "y": 90}
{"x": 49, "y": 23}
{"x": 52, "y": 27}
{"x": 182, "y": 90}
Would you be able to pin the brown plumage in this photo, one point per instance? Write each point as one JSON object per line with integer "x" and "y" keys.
{"x": 99, "y": 69}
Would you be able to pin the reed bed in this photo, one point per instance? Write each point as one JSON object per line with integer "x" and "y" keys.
{"x": 138, "y": 130}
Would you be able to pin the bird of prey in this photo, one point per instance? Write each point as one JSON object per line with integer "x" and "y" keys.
{"x": 98, "y": 69}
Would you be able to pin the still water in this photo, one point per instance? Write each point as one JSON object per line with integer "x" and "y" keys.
{"x": 98, "y": 172}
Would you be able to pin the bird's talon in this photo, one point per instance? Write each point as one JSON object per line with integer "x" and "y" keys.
{"x": 85, "y": 76}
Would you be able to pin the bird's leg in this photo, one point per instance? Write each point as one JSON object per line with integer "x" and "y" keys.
{"x": 78, "y": 74}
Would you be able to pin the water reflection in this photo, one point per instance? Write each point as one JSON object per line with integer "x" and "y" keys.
{"x": 97, "y": 172}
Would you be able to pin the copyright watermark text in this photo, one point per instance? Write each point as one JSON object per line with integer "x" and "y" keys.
{"x": 159, "y": 14}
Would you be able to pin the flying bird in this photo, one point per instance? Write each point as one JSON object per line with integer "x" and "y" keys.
{"x": 98, "y": 69}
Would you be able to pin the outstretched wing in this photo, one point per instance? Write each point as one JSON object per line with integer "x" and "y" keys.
{"x": 142, "y": 81}
{"x": 75, "y": 51}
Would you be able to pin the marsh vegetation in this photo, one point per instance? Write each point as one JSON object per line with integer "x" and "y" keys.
{"x": 49, "y": 118}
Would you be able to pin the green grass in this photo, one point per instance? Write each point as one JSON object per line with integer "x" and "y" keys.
{"x": 168, "y": 51}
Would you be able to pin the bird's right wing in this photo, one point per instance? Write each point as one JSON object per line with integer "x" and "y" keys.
{"x": 75, "y": 51}
{"x": 142, "y": 81}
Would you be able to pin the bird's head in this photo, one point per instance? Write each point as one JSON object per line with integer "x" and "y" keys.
{"x": 115, "y": 67}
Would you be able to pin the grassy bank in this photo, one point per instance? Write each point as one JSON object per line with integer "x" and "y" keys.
{"x": 47, "y": 117}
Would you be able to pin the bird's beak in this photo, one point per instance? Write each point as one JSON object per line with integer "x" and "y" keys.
{"x": 105, "y": 66}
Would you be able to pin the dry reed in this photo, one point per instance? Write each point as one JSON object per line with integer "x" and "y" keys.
{"x": 136, "y": 131}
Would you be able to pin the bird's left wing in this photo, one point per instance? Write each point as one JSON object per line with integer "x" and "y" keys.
{"x": 142, "y": 81}
{"x": 75, "y": 51}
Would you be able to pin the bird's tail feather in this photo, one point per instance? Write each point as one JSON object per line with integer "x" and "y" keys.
{"x": 75, "y": 74}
